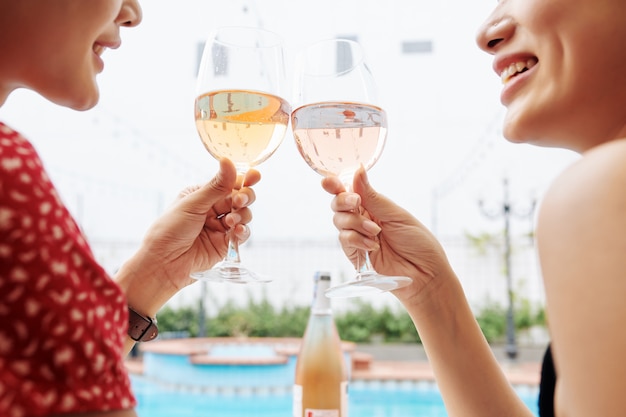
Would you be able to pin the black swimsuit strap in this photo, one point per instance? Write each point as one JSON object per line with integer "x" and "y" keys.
{"x": 547, "y": 385}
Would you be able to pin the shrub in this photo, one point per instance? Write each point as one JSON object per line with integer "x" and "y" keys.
{"x": 361, "y": 324}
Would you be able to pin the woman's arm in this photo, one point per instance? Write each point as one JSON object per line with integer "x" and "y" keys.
{"x": 468, "y": 375}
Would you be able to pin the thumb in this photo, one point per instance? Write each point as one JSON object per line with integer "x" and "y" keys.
{"x": 375, "y": 203}
{"x": 361, "y": 186}
{"x": 201, "y": 200}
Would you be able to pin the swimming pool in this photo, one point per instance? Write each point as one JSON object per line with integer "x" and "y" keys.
{"x": 225, "y": 377}
{"x": 157, "y": 400}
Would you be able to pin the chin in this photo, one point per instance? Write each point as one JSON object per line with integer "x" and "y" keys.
{"x": 512, "y": 134}
{"x": 84, "y": 106}
{"x": 80, "y": 102}
{"x": 518, "y": 129}
{"x": 515, "y": 136}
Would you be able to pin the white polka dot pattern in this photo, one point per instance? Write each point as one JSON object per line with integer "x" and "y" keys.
{"x": 63, "y": 321}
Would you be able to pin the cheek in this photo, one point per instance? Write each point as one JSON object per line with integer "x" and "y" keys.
{"x": 74, "y": 74}
{"x": 76, "y": 89}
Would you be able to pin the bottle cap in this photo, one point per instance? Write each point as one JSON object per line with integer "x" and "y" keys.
{"x": 321, "y": 281}
{"x": 322, "y": 276}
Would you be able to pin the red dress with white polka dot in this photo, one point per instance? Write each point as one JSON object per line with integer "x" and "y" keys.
{"x": 63, "y": 321}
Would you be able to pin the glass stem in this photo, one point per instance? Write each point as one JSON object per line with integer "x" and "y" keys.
{"x": 232, "y": 253}
{"x": 365, "y": 268}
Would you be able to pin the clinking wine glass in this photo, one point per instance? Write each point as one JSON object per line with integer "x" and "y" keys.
{"x": 338, "y": 127}
{"x": 240, "y": 114}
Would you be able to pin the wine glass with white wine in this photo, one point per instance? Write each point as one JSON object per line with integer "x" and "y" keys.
{"x": 240, "y": 114}
{"x": 338, "y": 126}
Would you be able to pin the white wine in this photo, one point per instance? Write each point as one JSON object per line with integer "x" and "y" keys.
{"x": 321, "y": 384}
{"x": 337, "y": 137}
{"x": 245, "y": 126}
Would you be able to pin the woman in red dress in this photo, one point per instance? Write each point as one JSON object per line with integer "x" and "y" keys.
{"x": 64, "y": 323}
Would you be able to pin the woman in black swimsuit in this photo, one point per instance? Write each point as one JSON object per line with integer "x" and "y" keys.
{"x": 562, "y": 65}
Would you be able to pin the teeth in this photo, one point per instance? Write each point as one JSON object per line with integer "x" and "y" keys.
{"x": 516, "y": 68}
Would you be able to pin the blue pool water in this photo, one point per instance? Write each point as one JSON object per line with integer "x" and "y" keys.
{"x": 207, "y": 377}
{"x": 157, "y": 400}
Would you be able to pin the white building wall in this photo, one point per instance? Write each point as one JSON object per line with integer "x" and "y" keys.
{"x": 132, "y": 153}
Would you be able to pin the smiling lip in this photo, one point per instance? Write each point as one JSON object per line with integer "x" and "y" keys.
{"x": 99, "y": 48}
{"x": 513, "y": 70}
{"x": 97, "y": 52}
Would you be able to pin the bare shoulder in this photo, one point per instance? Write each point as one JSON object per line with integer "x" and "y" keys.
{"x": 581, "y": 224}
{"x": 595, "y": 182}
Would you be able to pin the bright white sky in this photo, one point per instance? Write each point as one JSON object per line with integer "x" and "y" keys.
{"x": 120, "y": 164}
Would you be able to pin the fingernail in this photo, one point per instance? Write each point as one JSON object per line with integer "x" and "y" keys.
{"x": 243, "y": 231}
{"x": 242, "y": 199}
{"x": 234, "y": 218}
{"x": 371, "y": 227}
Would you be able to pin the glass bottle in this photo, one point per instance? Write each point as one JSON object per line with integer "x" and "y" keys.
{"x": 321, "y": 382}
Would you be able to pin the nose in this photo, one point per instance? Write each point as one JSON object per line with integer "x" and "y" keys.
{"x": 496, "y": 30}
{"x": 130, "y": 14}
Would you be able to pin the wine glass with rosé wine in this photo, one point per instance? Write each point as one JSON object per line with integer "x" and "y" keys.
{"x": 240, "y": 114}
{"x": 338, "y": 126}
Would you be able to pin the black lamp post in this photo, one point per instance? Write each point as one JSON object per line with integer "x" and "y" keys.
{"x": 506, "y": 212}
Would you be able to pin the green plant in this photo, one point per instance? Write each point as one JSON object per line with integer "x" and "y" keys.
{"x": 492, "y": 318}
{"x": 360, "y": 324}
{"x": 492, "y": 322}
{"x": 184, "y": 319}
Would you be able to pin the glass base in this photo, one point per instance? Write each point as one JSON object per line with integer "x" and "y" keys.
{"x": 230, "y": 272}
{"x": 367, "y": 284}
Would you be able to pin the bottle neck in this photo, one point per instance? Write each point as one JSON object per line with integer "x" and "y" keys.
{"x": 321, "y": 303}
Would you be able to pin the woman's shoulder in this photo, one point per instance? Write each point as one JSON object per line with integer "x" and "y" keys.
{"x": 589, "y": 191}
{"x": 609, "y": 152}
{"x": 6, "y": 132}
{"x": 600, "y": 172}
{"x": 13, "y": 143}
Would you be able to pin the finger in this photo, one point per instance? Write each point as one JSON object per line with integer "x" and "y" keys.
{"x": 241, "y": 232}
{"x": 357, "y": 222}
{"x": 252, "y": 177}
{"x": 333, "y": 185}
{"x": 227, "y": 221}
{"x": 242, "y": 216}
{"x": 218, "y": 223}
{"x": 202, "y": 199}
{"x": 346, "y": 202}
{"x": 355, "y": 240}
{"x": 376, "y": 204}
{"x": 361, "y": 183}
{"x": 243, "y": 198}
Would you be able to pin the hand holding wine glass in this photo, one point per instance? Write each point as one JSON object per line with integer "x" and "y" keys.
{"x": 240, "y": 113}
{"x": 338, "y": 127}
